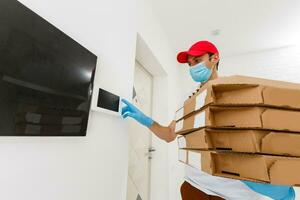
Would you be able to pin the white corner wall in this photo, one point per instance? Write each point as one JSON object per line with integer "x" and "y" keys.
{"x": 79, "y": 168}
{"x": 167, "y": 185}
{"x": 95, "y": 167}
{"x": 282, "y": 63}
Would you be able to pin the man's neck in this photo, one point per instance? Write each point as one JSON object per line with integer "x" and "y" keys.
{"x": 213, "y": 76}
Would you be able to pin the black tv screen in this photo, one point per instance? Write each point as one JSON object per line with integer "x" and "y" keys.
{"x": 46, "y": 78}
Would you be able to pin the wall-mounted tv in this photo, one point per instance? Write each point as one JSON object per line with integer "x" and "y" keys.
{"x": 46, "y": 78}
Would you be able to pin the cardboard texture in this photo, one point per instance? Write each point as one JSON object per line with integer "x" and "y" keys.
{"x": 241, "y": 118}
{"x": 249, "y": 141}
{"x": 243, "y": 128}
{"x": 243, "y": 91}
{"x": 261, "y": 168}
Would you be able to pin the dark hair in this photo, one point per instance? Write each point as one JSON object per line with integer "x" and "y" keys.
{"x": 211, "y": 54}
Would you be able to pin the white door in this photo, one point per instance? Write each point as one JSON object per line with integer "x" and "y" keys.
{"x": 140, "y": 138}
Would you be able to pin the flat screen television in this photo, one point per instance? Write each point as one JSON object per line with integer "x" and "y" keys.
{"x": 46, "y": 77}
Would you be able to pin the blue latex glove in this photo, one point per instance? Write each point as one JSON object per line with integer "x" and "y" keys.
{"x": 132, "y": 111}
{"x": 276, "y": 192}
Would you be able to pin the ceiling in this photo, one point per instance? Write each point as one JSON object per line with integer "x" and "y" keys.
{"x": 243, "y": 25}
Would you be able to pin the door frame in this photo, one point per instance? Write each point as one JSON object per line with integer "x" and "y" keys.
{"x": 159, "y": 163}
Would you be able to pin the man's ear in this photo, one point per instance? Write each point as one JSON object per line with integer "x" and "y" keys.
{"x": 215, "y": 58}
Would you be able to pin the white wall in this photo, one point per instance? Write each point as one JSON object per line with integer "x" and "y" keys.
{"x": 149, "y": 28}
{"x": 282, "y": 63}
{"x": 92, "y": 167}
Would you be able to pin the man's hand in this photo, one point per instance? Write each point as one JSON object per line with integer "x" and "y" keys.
{"x": 164, "y": 133}
{"x": 132, "y": 111}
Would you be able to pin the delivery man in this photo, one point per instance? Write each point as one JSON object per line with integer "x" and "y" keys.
{"x": 203, "y": 59}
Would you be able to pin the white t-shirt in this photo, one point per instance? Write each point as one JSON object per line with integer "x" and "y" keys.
{"x": 226, "y": 188}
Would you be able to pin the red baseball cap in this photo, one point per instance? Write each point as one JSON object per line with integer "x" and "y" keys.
{"x": 197, "y": 49}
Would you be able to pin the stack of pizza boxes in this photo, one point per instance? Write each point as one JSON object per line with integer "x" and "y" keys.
{"x": 243, "y": 128}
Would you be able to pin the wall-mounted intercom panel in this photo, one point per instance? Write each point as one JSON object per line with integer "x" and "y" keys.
{"x": 107, "y": 102}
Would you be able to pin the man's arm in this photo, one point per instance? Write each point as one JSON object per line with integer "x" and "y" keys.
{"x": 164, "y": 133}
